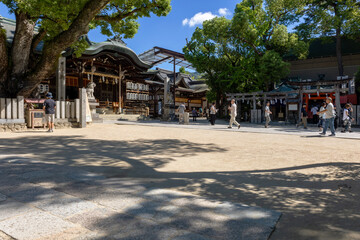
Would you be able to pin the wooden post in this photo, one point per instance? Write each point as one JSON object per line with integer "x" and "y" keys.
{"x": 300, "y": 103}
{"x": 263, "y": 108}
{"x": 174, "y": 84}
{"x": 337, "y": 102}
{"x": 119, "y": 109}
{"x": 254, "y": 102}
{"x": 286, "y": 109}
{"x": 121, "y": 77}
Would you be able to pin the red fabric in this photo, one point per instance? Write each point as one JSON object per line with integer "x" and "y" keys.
{"x": 352, "y": 99}
{"x": 349, "y": 99}
{"x": 343, "y": 99}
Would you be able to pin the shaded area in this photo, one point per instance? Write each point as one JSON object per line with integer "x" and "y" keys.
{"x": 320, "y": 200}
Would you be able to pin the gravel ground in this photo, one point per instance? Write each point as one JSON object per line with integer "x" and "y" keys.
{"x": 313, "y": 181}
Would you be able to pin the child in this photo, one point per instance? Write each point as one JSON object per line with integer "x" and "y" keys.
{"x": 49, "y": 108}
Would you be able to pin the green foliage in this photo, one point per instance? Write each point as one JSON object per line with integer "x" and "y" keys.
{"x": 323, "y": 17}
{"x": 79, "y": 47}
{"x": 118, "y": 18}
{"x": 245, "y": 53}
{"x": 271, "y": 69}
{"x": 182, "y": 70}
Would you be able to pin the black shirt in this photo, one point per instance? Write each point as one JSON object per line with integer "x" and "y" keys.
{"x": 304, "y": 112}
{"x": 49, "y": 105}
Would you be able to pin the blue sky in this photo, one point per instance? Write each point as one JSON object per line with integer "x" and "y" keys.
{"x": 171, "y": 31}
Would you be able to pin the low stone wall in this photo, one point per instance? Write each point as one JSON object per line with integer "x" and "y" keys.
{"x": 13, "y": 127}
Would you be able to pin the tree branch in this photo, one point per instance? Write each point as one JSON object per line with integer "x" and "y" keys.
{"x": 37, "y": 39}
{"x": 52, "y": 49}
{"x": 123, "y": 15}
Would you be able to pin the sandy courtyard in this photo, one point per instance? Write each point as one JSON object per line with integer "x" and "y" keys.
{"x": 313, "y": 181}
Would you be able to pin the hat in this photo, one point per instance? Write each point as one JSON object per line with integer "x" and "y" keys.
{"x": 49, "y": 95}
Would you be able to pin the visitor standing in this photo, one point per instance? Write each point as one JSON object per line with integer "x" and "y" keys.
{"x": 49, "y": 107}
{"x": 181, "y": 110}
{"x": 314, "y": 111}
{"x": 329, "y": 117}
{"x": 194, "y": 114}
{"x": 213, "y": 111}
{"x": 233, "y": 113}
{"x": 346, "y": 119}
{"x": 267, "y": 114}
{"x": 322, "y": 117}
{"x": 304, "y": 116}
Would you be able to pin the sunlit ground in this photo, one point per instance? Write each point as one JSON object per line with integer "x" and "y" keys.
{"x": 314, "y": 182}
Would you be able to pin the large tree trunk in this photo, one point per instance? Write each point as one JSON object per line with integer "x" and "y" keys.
{"x": 21, "y": 45}
{"x": 339, "y": 52}
{"x": 52, "y": 49}
{"x": 3, "y": 62}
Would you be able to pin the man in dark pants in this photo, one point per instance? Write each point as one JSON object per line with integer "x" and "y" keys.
{"x": 304, "y": 116}
{"x": 213, "y": 111}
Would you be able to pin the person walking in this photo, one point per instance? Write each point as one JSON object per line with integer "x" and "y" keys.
{"x": 267, "y": 115}
{"x": 194, "y": 114}
{"x": 213, "y": 111}
{"x": 304, "y": 116}
{"x": 329, "y": 117}
{"x": 322, "y": 117}
{"x": 49, "y": 107}
{"x": 346, "y": 119}
{"x": 181, "y": 109}
{"x": 233, "y": 113}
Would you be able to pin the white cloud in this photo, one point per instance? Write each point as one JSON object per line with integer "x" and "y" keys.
{"x": 198, "y": 19}
{"x": 201, "y": 17}
{"x": 185, "y": 21}
{"x": 224, "y": 12}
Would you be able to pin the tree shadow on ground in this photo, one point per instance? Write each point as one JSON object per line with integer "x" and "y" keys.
{"x": 319, "y": 203}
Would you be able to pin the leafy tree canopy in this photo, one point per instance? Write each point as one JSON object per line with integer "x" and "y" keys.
{"x": 245, "y": 53}
{"x": 61, "y": 23}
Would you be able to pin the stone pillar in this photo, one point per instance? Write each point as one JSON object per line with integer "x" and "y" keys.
{"x": 57, "y": 110}
{"x": 67, "y": 110}
{"x": 20, "y": 100}
{"x": 61, "y": 79}
{"x": 2, "y": 108}
{"x": 14, "y": 108}
{"x": 62, "y": 109}
{"x": 82, "y": 94}
{"x": 77, "y": 110}
{"x": 8, "y": 108}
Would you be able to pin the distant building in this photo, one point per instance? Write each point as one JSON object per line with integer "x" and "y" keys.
{"x": 321, "y": 63}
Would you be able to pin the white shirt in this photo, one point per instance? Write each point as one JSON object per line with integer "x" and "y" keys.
{"x": 212, "y": 110}
{"x": 346, "y": 114}
{"x": 330, "y": 113}
{"x": 267, "y": 111}
{"x": 233, "y": 109}
{"x": 314, "y": 110}
{"x": 181, "y": 108}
